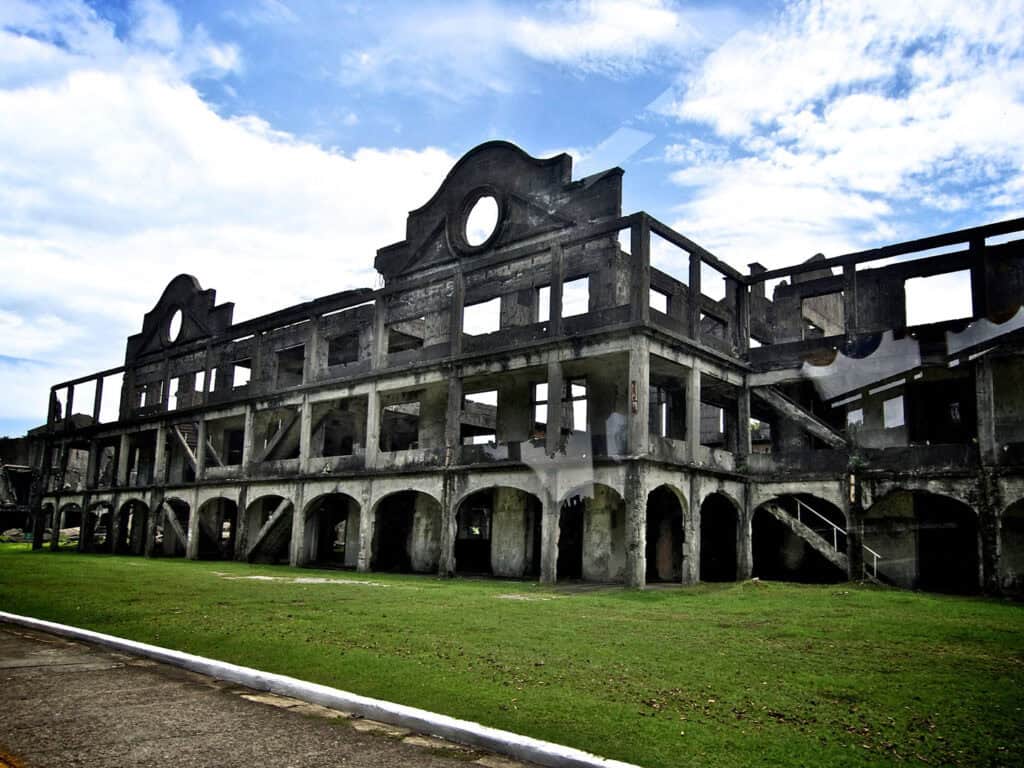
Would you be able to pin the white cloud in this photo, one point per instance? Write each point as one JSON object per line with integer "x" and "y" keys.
{"x": 116, "y": 177}
{"x": 844, "y": 121}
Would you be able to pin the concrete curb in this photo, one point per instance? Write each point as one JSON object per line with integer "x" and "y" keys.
{"x": 460, "y": 731}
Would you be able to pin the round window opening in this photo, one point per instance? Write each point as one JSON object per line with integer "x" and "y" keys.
{"x": 174, "y": 326}
{"x": 482, "y": 220}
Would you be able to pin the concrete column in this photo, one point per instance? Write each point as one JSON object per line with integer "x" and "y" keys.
{"x": 636, "y": 525}
{"x": 550, "y": 510}
{"x": 742, "y": 318}
{"x": 366, "y": 521}
{"x": 640, "y": 250}
{"x": 694, "y": 286}
{"x": 449, "y": 527}
{"x": 160, "y": 455}
{"x": 201, "y": 437}
{"x": 744, "y": 538}
{"x": 853, "y": 506}
{"x": 455, "y": 311}
{"x": 312, "y": 357}
{"x": 985, "y": 397}
{"x": 372, "y": 427}
{"x": 379, "y": 348}
{"x": 55, "y": 526}
{"x": 693, "y": 413}
{"x": 743, "y": 423}
{"x": 305, "y": 435}
{"x": 557, "y": 276}
{"x": 97, "y": 401}
{"x": 298, "y": 555}
{"x": 242, "y": 525}
{"x": 691, "y": 536}
{"x": 192, "y": 532}
{"x": 639, "y": 395}
{"x": 123, "y": 454}
{"x": 149, "y": 547}
{"x": 249, "y": 437}
{"x": 554, "y": 427}
{"x": 91, "y": 467}
{"x": 453, "y": 421}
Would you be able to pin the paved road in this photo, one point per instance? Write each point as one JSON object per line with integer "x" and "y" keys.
{"x": 67, "y": 704}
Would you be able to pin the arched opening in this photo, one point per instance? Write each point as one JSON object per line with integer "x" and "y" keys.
{"x": 97, "y": 534}
{"x": 170, "y": 537}
{"x": 218, "y": 527}
{"x": 664, "y": 535}
{"x": 268, "y": 525}
{"x": 795, "y": 538}
{"x": 407, "y": 533}
{"x": 69, "y": 525}
{"x": 1011, "y": 561}
{"x": 498, "y": 533}
{"x": 132, "y": 523}
{"x": 926, "y": 541}
{"x": 719, "y": 529}
{"x": 332, "y": 532}
{"x": 591, "y": 535}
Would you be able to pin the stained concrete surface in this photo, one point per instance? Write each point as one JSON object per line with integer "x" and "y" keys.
{"x": 69, "y": 704}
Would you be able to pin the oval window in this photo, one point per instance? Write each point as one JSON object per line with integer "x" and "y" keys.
{"x": 482, "y": 220}
{"x": 174, "y": 326}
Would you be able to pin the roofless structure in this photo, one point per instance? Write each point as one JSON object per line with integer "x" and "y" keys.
{"x": 570, "y": 393}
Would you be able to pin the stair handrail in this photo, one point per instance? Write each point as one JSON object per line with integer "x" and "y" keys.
{"x": 836, "y": 530}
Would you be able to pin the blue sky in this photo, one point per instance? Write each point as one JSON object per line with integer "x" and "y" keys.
{"x": 270, "y": 147}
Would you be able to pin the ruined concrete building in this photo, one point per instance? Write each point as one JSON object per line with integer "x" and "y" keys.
{"x": 573, "y": 394}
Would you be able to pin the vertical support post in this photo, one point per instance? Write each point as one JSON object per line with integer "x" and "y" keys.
{"x": 201, "y": 449}
{"x": 366, "y": 523}
{"x": 693, "y": 412}
{"x": 68, "y": 408}
{"x": 248, "y": 438}
{"x": 557, "y": 278}
{"x": 549, "y": 520}
{"x": 850, "y": 299}
{"x": 305, "y": 434}
{"x": 92, "y": 467}
{"x": 742, "y": 327}
{"x": 192, "y": 533}
{"x": 691, "y": 534}
{"x": 379, "y": 348}
{"x": 453, "y": 420}
{"x": 372, "y": 427}
{"x": 449, "y": 525}
{"x": 979, "y": 283}
{"x": 553, "y": 437}
{"x": 640, "y": 250}
{"x": 694, "y": 319}
{"x": 743, "y": 423}
{"x": 160, "y": 455}
{"x": 985, "y": 397}
{"x": 455, "y": 311}
{"x": 853, "y": 498}
{"x": 639, "y": 395}
{"x": 97, "y": 401}
{"x": 744, "y": 538}
{"x": 123, "y": 454}
{"x": 636, "y": 525}
{"x": 311, "y": 359}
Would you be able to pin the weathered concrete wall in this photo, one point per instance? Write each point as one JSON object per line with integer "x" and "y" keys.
{"x": 425, "y": 540}
{"x": 604, "y": 523}
{"x": 511, "y": 526}
{"x": 890, "y": 529}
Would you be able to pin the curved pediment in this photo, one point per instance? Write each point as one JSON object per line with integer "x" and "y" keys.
{"x": 533, "y": 196}
{"x": 184, "y": 313}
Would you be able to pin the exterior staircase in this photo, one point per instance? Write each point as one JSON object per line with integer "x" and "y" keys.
{"x": 800, "y": 524}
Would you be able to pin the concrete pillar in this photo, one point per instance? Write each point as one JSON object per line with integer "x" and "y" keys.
{"x": 985, "y": 397}
{"x": 554, "y": 428}
{"x": 691, "y": 535}
{"x": 372, "y": 427}
{"x": 453, "y": 422}
{"x": 92, "y": 466}
{"x": 640, "y": 250}
{"x": 853, "y": 505}
{"x": 248, "y": 438}
{"x": 636, "y": 525}
{"x": 201, "y": 438}
{"x": 449, "y": 527}
{"x": 693, "y": 413}
{"x": 305, "y": 435}
{"x": 455, "y": 310}
{"x": 123, "y": 454}
{"x": 160, "y": 455}
{"x": 242, "y": 523}
{"x": 379, "y": 348}
{"x": 149, "y": 548}
{"x": 557, "y": 276}
{"x": 744, "y": 537}
{"x": 694, "y": 286}
{"x": 366, "y": 523}
{"x": 192, "y": 532}
{"x": 550, "y": 510}
{"x": 743, "y": 423}
{"x": 298, "y": 555}
{"x": 639, "y": 395}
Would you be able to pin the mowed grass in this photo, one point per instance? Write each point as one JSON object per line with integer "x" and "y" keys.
{"x": 714, "y": 675}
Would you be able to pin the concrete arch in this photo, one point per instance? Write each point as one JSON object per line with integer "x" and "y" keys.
{"x": 591, "y": 534}
{"x": 1011, "y": 541}
{"x": 406, "y": 532}
{"x": 963, "y": 491}
{"x": 217, "y": 528}
{"x": 666, "y": 514}
{"x": 926, "y": 540}
{"x": 498, "y": 532}
{"x": 97, "y": 534}
{"x": 779, "y": 553}
{"x": 69, "y": 515}
{"x": 720, "y": 519}
{"x": 169, "y": 537}
{"x": 331, "y": 530}
{"x": 132, "y": 524}
{"x": 268, "y": 528}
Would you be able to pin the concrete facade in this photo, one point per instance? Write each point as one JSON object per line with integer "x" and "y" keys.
{"x": 538, "y": 401}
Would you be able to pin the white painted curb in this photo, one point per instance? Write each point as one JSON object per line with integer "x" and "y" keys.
{"x": 450, "y": 728}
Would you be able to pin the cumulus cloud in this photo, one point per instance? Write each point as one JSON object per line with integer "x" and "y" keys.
{"x": 116, "y": 175}
{"x": 847, "y": 123}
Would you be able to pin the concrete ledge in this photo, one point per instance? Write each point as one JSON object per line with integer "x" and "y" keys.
{"x": 450, "y": 728}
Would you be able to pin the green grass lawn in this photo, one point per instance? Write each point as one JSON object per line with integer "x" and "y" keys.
{"x": 714, "y": 675}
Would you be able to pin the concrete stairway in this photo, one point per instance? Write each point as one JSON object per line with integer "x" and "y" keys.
{"x": 808, "y": 534}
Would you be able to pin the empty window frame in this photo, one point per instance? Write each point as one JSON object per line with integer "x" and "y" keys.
{"x": 400, "y": 427}
{"x": 407, "y": 334}
{"x": 576, "y": 297}
{"x": 577, "y": 412}
{"x": 479, "y": 417}
{"x": 855, "y": 417}
{"x": 659, "y": 301}
{"x": 481, "y": 318}
{"x": 938, "y": 298}
{"x": 822, "y": 315}
{"x": 290, "y": 365}
{"x": 342, "y": 350}
{"x": 539, "y": 407}
{"x": 241, "y": 373}
{"x": 544, "y": 304}
{"x": 892, "y": 412}
{"x": 172, "y": 394}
